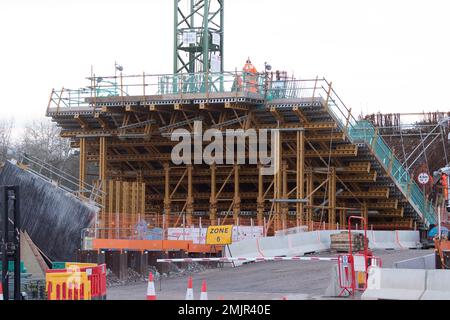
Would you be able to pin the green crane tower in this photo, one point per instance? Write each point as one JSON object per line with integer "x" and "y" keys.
{"x": 198, "y": 36}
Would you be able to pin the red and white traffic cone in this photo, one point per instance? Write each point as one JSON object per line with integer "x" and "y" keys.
{"x": 151, "y": 295}
{"x": 190, "y": 290}
{"x": 204, "y": 294}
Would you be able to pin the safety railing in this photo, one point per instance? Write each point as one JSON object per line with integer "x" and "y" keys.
{"x": 364, "y": 131}
{"x": 123, "y": 233}
{"x": 145, "y": 85}
{"x": 82, "y": 190}
{"x": 180, "y": 86}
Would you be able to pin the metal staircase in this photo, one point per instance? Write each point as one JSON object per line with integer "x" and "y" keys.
{"x": 64, "y": 181}
{"x": 363, "y": 132}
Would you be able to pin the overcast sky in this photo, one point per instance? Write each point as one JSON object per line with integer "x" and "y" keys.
{"x": 383, "y": 55}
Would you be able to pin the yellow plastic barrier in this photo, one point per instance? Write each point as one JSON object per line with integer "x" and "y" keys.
{"x": 80, "y": 265}
{"x": 71, "y": 285}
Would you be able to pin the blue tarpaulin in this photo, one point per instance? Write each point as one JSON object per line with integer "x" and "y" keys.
{"x": 433, "y": 232}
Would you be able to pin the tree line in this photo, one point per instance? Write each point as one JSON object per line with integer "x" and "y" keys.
{"x": 39, "y": 139}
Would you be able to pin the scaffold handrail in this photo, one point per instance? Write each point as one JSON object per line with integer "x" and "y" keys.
{"x": 365, "y": 132}
{"x": 183, "y": 86}
{"x": 64, "y": 180}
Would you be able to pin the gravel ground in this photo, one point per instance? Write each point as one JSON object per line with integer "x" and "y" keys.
{"x": 254, "y": 281}
{"x": 134, "y": 278}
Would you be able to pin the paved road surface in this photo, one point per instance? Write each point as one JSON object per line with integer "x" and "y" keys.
{"x": 255, "y": 281}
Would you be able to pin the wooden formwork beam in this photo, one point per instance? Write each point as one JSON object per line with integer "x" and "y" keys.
{"x": 342, "y": 152}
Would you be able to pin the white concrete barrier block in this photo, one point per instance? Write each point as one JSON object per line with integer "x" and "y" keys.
{"x": 437, "y": 285}
{"x": 274, "y": 246}
{"x": 408, "y": 239}
{"x": 395, "y": 284}
{"x": 305, "y": 242}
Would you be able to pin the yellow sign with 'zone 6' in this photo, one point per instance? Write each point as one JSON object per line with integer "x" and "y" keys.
{"x": 219, "y": 235}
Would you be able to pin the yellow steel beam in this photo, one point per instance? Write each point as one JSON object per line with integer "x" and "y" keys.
{"x": 235, "y": 106}
{"x": 81, "y": 121}
{"x": 100, "y": 120}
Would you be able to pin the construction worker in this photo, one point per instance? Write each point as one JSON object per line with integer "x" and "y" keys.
{"x": 237, "y": 84}
{"x": 250, "y": 77}
{"x": 442, "y": 175}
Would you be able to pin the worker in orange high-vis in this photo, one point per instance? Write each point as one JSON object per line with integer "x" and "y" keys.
{"x": 442, "y": 175}
{"x": 250, "y": 77}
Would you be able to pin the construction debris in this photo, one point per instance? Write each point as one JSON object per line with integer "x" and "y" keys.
{"x": 134, "y": 277}
{"x": 340, "y": 242}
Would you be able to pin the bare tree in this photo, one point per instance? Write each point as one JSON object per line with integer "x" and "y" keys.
{"x": 41, "y": 139}
{"x": 5, "y": 138}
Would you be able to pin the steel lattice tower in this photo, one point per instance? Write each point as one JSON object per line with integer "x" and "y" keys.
{"x": 198, "y": 36}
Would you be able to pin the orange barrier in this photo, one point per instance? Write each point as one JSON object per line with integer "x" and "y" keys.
{"x": 176, "y": 244}
{"x": 203, "y": 248}
{"x": 140, "y": 245}
{"x": 153, "y": 245}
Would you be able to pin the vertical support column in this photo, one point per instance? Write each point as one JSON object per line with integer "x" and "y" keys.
{"x": 110, "y": 223}
{"x": 284, "y": 205}
{"x": 190, "y": 198}
{"x": 82, "y": 175}
{"x": 142, "y": 202}
{"x": 309, "y": 189}
{"x": 213, "y": 198}
{"x": 102, "y": 159}
{"x": 133, "y": 204}
{"x": 342, "y": 219}
{"x": 332, "y": 198}
{"x": 365, "y": 213}
{"x": 260, "y": 199}
{"x": 102, "y": 180}
{"x": 167, "y": 202}
{"x": 278, "y": 181}
{"x": 126, "y": 209}
{"x": 118, "y": 212}
{"x": 300, "y": 176}
{"x": 237, "y": 197}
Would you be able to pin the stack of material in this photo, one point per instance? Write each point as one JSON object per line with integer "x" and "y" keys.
{"x": 340, "y": 242}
